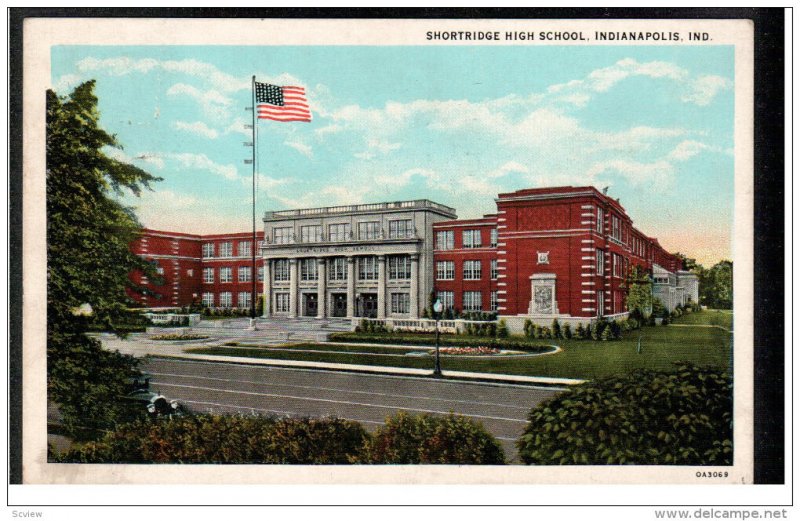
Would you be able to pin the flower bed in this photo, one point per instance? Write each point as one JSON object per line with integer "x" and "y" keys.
{"x": 480, "y": 350}
{"x": 179, "y": 336}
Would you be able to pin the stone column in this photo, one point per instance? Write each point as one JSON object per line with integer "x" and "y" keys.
{"x": 267, "y": 297}
{"x": 381, "y": 286}
{"x": 321, "y": 281}
{"x": 293, "y": 288}
{"x": 351, "y": 286}
{"x": 414, "y": 298}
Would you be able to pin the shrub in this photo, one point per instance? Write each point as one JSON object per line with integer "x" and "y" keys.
{"x": 429, "y": 339}
{"x": 606, "y": 334}
{"x": 595, "y": 330}
{"x": 580, "y": 332}
{"x": 227, "y": 439}
{"x": 643, "y": 418}
{"x": 556, "y": 329}
{"x": 502, "y": 329}
{"x": 451, "y": 439}
{"x": 527, "y": 327}
{"x": 566, "y": 332}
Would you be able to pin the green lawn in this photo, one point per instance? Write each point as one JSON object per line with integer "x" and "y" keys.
{"x": 661, "y": 347}
{"x": 712, "y": 317}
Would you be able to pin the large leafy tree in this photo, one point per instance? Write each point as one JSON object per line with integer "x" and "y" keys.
{"x": 640, "y": 293}
{"x": 88, "y": 258}
{"x": 716, "y": 286}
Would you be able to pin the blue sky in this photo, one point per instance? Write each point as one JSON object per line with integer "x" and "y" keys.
{"x": 453, "y": 124}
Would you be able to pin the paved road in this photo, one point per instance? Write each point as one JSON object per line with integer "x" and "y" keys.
{"x": 228, "y": 388}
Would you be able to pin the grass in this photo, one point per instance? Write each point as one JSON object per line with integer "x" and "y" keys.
{"x": 661, "y": 348}
{"x": 711, "y": 317}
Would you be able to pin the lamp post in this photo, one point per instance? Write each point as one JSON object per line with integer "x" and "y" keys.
{"x": 437, "y": 311}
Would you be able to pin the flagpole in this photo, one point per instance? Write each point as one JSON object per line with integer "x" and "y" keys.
{"x": 254, "y": 272}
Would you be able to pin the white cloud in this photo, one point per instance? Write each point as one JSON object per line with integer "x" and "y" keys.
{"x": 403, "y": 179}
{"x": 66, "y": 83}
{"x": 303, "y": 148}
{"x": 659, "y": 173}
{"x": 704, "y": 89}
{"x": 686, "y": 150}
{"x": 376, "y": 147}
{"x": 198, "y": 127}
{"x": 202, "y": 162}
{"x": 213, "y": 102}
{"x": 239, "y": 127}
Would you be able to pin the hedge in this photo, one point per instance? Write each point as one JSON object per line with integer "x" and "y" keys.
{"x": 426, "y": 339}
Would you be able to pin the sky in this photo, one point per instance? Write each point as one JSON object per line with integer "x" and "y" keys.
{"x": 454, "y": 124}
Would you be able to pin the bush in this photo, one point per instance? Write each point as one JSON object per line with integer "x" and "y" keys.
{"x": 429, "y": 339}
{"x": 556, "y": 329}
{"x": 227, "y": 439}
{"x": 528, "y": 327}
{"x": 643, "y": 418}
{"x": 580, "y": 333}
{"x": 502, "y": 329}
{"x": 451, "y": 439}
{"x": 566, "y": 332}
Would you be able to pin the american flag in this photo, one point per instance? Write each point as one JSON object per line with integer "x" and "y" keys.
{"x": 282, "y": 103}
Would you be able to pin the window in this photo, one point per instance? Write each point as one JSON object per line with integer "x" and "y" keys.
{"x": 260, "y": 245}
{"x": 261, "y": 274}
{"x": 281, "y": 302}
{"x": 244, "y": 274}
{"x": 226, "y": 249}
{"x": 493, "y": 238}
{"x": 225, "y": 299}
{"x": 616, "y": 265}
{"x": 600, "y": 303}
{"x": 447, "y": 299}
{"x": 471, "y": 238}
{"x": 244, "y": 249}
{"x": 401, "y": 229}
{"x": 308, "y": 269}
{"x": 600, "y": 260}
{"x": 281, "y": 270}
{"x": 338, "y": 269}
{"x": 281, "y": 235}
{"x": 369, "y": 230}
{"x": 543, "y": 257}
{"x": 368, "y": 268}
{"x": 472, "y": 301}
{"x": 400, "y": 267}
{"x": 208, "y": 250}
{"x": 445, "y": 270}
{"x": 225, "y": 275}
{"x": 338, "y": 232}
{"x": 445, "y": 240}
{"x": 401, "y": 302}
{"x": 311, "y": 233}
{"x": 616, "y": 231}
{"x": 159, "y": 270}
{"x": 208, "y": 275}
{"x": 243, "y": 299}
{"x": 600, "y": 221}
{"x": 472, "y": 270}
{"x": 493, "y": 301}
{"x": 493, "y": 269}
{"x": 190, "y": 273}
{"x": 208, "y": 300}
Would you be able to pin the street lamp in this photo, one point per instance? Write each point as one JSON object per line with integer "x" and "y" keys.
{"x": 437, "y": 313}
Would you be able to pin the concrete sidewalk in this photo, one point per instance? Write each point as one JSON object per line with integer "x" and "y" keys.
{"x": 143, "y": 347}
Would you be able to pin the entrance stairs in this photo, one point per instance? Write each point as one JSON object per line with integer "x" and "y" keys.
{"x": 301, "y": 329}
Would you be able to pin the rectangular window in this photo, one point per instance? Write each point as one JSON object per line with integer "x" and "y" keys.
{"x": 260, "y": 246}
{"x": 616, "y": 231}
{"x": 447, "y": 299}
{"x": 243, "y": 300}
{"x": 368, "y": 268}
{"x": 400, "y": 267}
{"x": 281, "y": 270}
{"x": 401, "y": 229}
{"x": 369, "y": 230}
{"x": 493, "y": 269}
{"x": 472, "y": 270}
{"x": 493, "y": 238}
{"x": 311, "y": 233}
{"x": 281, "y": 302}
{"x": 493, "y": 301}
{"x": 208, "y": 275}
{"x": 445, "y": 240}
{"x": 401, "y": 302}
{"x": 471, "y": 238}
{"x": 261, "y": 274}
{"x": 226, "y": 249}
{"x": 159, "y": 270}
{"x": 308, "y": 269}
{"x": 338, "y": 269}
{"x": 600, "y": 260}
{"x": 472, "y": 301}
{"x": 225, "y": 299}
{"x": 244, "y": 249}
{"x": 281, "y": 236}
{"x": 208, "y": 300}
{"x": 190, "y": 272}
{"x": 244, "y": 274}
{"x": 445, "y": 270}
{"x": 208, "y": 250}
{"x": 600, "y": 303}
{"x": 339, "y": 232}
{"x": 600, "y": 221}
{"x": 225, "y": 275}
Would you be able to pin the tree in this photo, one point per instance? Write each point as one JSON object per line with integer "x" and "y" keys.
{"x": 716, "y": 286}
{"x": 640, "y": 293}
{"x": 88, "y": 258}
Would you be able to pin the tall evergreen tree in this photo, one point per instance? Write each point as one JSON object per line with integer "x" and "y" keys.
{"x": 88, "y": 258}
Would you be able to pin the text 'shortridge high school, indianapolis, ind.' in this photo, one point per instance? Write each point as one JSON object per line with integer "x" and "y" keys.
{"x": 547, "y": 253}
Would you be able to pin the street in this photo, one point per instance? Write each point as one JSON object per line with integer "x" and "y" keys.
{"x": 368, "y": 399}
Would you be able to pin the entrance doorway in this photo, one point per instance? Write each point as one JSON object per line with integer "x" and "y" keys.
{"x": 309, "y": 304}
{"x": 339, "y": 304}
{"x": 367, "y": 305}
